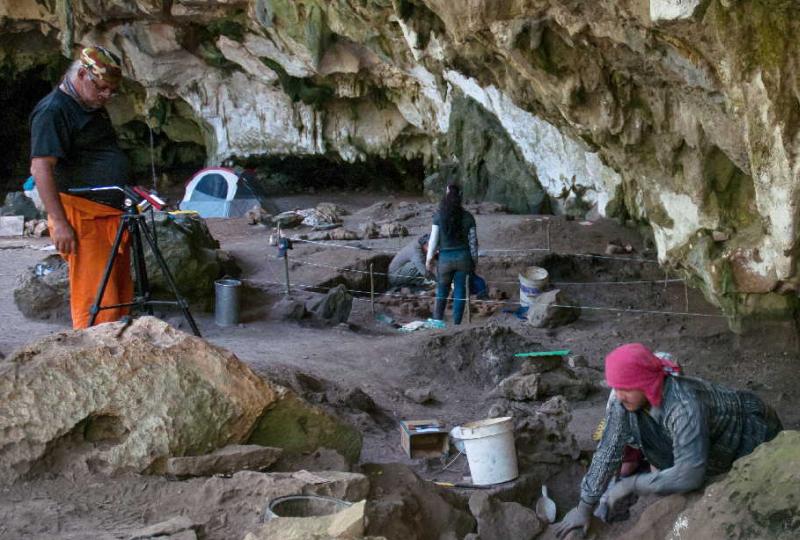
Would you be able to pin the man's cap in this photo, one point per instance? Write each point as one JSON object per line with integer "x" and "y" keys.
{"x": 102, "y": 64}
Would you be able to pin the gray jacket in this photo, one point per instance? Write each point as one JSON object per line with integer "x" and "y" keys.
{"x": 698, "y": 431}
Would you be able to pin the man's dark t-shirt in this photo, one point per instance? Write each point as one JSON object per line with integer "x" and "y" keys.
{"x": 83, "y": 141}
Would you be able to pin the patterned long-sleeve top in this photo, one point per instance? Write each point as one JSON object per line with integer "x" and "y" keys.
{"x": 698, "y": 430}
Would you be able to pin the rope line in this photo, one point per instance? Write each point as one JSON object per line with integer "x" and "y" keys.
{"x": 562, "y": 283}
{"x": 328, "y": 244}
{"x": 315, "y": 288}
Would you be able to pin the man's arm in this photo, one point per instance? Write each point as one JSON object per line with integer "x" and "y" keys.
{"x": 473, "y": 245}
{"x": 418, "y": 257}
{"x": 608, "y": 456}
{"x": 63, "y": 235}
{"x": 605, "y": 463}
{"x": 433, "y": 243}
{"x": 690, "y": 443}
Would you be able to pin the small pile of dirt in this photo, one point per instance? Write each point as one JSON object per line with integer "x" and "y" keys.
{"x": 479, "y": 356}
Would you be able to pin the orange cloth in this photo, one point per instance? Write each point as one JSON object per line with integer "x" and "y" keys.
{"x": 96, "y": 227}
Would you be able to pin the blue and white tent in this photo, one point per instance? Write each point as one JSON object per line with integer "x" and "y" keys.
{"x": 218, "y": 192}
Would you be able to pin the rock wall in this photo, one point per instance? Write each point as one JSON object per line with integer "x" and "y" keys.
{"x": 683, "y": 115}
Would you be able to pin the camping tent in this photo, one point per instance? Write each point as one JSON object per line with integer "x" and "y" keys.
{"x": 218, "y": 192}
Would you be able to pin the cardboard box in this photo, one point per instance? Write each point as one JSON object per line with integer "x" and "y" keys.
{"x": 424, "y": 438}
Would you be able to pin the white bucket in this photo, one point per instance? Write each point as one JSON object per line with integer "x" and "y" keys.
{"x": 532, "y": 282}
{"x": 490, "y": 450}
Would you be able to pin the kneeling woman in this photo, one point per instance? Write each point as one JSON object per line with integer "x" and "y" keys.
{"x": 687, "y": 428}
{"x": 453, "y": 232}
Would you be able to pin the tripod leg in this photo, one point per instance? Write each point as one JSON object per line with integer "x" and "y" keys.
{"x": 168, "y": 276}
{"x": 95, "y": 309}
{"x": 139, "y": 266}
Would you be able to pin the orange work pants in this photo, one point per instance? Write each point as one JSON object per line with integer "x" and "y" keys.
{"x": 96, "y": 227}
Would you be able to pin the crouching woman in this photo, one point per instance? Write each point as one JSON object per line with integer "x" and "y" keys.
{"x": 688, "y": 429}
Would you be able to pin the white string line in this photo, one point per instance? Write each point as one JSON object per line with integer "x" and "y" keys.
{"x": 500, "y": 302}
{"x": 345, "y": 246}
{"x": 525, "y": 250}
{"x": 357, "y": 271}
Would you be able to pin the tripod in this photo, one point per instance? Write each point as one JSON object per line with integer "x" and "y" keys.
{"x": 134, "y": 222}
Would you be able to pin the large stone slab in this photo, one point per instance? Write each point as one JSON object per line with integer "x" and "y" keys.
{"x": 227, "y": 460}
{"x": 112, "y": 398}
{"x": 101, "y": 401}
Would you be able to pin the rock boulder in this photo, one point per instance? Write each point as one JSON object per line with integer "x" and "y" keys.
{"x": 42, "y": 291}
{"x": 758, "y": 498}
{"x": 112, "y": 398}
{"x": 192, "y": 256}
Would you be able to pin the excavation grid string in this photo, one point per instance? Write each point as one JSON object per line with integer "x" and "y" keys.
{"x": 563, "y": 283}
{"x": 315, "y": 288}
{"x": 663, "y": 282}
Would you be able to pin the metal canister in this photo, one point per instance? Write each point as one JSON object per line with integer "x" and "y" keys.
{"x": 226, "y": 301}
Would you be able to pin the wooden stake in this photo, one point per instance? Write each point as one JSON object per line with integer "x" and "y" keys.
{"x": 548, "y": 236}
{"x": 372, "y": 287}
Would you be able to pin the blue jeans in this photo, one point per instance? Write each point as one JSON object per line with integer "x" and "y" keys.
{"x": 454, "y": 267}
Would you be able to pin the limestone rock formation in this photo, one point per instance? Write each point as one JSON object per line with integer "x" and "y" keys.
{"x": 112, "y": 398}
{"x": 536, "y": 385}
{"x": 298, "y": 428}
{"x": 551, "y": 309}
{"x": 679, "y": 114}
{"x": 42, "y": 291}
{"x": 192, "y": 256}
{"x": 227, "y": 460}
{"x": 498, "y": 520}
{"x": 756, "y": 499}
{"x": 541, "y": 432}
{"x": 346, "y": 524}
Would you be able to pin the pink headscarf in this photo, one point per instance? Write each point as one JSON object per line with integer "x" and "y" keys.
{"x": 635, "y": 367}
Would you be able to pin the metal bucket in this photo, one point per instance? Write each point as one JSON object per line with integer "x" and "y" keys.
{"x": 226, "y": 301}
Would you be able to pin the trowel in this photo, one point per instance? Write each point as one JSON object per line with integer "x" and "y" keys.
{"x": 546, "y": 507}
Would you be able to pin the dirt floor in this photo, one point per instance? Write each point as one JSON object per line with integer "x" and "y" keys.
{"x": 624, "y": 299}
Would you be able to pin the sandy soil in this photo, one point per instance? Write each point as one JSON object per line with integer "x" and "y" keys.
{"x": 383, "y": 362}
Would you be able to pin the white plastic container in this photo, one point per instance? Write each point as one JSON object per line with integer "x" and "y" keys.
{"x": 532, "y": 282}
{"x": 490, "y": 450}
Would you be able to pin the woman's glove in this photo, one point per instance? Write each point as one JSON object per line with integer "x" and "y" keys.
{"x": 578, "y": 518}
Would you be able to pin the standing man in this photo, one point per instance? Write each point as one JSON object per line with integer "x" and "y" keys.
{"x": 688, "y": 429}
{"x": 73, "y": 145}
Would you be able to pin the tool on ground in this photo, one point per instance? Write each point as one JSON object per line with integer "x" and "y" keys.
{"x": 563, "y": 352}
{"x": 546, "y": 507}
{"x": 460, "y": 485}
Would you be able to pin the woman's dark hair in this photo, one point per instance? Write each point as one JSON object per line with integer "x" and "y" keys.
{"x": 450, "y": 212}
